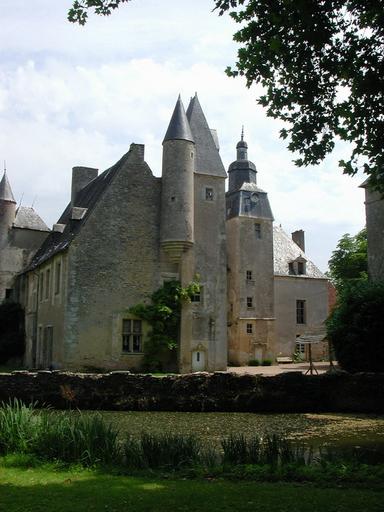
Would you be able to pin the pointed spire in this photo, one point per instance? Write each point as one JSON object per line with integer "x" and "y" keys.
{"x": 242, "y": 147}
{"x": 5, "y": 189}
{"x": 208, "y": 159}
{"x": 179, "y": 126}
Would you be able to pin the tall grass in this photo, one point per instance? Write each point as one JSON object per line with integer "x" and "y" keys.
{"x": 19, "y": 427}
{"x": 86, "y": 439}
{"x": 162, "y": 450}
{"x": 268, "y": 449}
{"x": 68, "y": 437}
{"x": 74, "y": 437}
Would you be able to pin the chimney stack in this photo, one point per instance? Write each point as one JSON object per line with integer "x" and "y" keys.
{"x": 81, "y": 176}
{"x": 298, "y": 238}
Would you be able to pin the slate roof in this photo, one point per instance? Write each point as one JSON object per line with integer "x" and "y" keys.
{"x": 286, "y": 250}
{"x": 208, "y": 160}
{"x": 5, "y": 189}
{"x": 27, "y": 218}
{"x": 86, "y": 198}
{"x": 179, "y": 128}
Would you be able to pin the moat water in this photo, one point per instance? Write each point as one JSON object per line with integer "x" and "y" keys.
{"x": 342, "y": 430}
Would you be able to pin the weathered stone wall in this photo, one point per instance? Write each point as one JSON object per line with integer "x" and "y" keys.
{"x": 247, "y": 252}
{"x": 289, "y": 289}
{"x": 290, "y": 392}
{"x": 113, "y": 264}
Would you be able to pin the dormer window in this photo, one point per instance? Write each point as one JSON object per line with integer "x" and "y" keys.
{"x": 297, "y": 267}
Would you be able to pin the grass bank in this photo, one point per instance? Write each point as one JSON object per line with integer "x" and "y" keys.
{"x": 38, "y": 489}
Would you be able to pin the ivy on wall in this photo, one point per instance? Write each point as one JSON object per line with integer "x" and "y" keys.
{"x": 163, "y": 315}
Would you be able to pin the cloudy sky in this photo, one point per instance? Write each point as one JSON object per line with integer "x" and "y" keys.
{"x": 74, "y": 95}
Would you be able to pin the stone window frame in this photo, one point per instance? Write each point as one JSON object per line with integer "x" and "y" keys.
{"x": 249, "y": 276}
{"x": 250, "y": 303}
{"x": 41, "y": 286}
{"x": 257, "y": 228}
{"x": 249, "y": 328}
{"x": 58, "y": 276}
{"x": 130, "y": 336}
{"x": 209, "y": 194}
{"x": 197, "y": 299}
{"x": 47, "y": 284}
{"x": 301, "y": 312}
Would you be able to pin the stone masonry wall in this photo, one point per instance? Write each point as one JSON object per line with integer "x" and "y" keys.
{"x": 201, "y": 392}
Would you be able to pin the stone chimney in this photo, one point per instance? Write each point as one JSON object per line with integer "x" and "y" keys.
{"x": 81, "y": 176}
{"x": 298, "y": 238}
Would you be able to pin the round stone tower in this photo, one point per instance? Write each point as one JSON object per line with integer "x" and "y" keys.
{"x": 177, "y": 197}
{"x": 7, "y": 210}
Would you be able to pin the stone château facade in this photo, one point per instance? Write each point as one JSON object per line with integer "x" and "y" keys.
{"x": 125, "y": 232}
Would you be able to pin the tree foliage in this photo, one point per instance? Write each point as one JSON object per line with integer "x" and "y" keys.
{"x": 163, "y": 314}
{"x": 349, "y": 262}
{"x": 321, "y": 64}
{"x": 356, "y": 327}
{"x": 78, "y": 13}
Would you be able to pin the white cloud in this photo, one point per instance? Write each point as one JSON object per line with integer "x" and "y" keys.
{"x": 79, "y": 96}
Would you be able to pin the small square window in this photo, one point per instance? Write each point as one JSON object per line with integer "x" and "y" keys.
{"x": 249, "y": 275}
{"x": 249, "y": 302}
{"x": 249, "y": 328}
{"x": 209, "y": 196}
{"x": 258, "y": 230}
{"x": 196, "y": 297}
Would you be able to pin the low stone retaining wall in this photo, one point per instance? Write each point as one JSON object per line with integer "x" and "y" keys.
{"x": 287, "y": 392}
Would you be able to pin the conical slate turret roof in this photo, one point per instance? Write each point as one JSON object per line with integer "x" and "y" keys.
{"x": 179, "y": 128}
{"x": 208, "y": 159}
{"x": 5, "y": 190}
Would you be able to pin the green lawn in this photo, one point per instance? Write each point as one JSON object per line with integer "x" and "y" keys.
{"x": 43, "y": 489}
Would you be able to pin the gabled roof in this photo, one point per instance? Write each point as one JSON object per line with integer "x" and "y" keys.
{"x": 179, "y": 128}
{"x": 27, "y": 218}
{"x": 285, "y": 250}
{"x": 87, "y": 199}
{"x": 208, "y": 159}
{"x": 5, "y": 190}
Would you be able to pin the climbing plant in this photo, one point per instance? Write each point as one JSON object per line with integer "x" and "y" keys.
{"x": 163, "y": 315}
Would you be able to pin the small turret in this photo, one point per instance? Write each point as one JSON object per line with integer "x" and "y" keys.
{"x": 177, "y": 185}
{"x": 242, "y": 170}
{"x": 7, "y": 209}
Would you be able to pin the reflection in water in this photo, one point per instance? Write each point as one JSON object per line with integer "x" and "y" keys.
{"x": 333, "y": 429}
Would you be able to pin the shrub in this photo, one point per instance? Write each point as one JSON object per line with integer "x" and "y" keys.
{"x": 266, "y": 362}
{"x": 356, "y": 327}
{"x": 253, "y": 362}
{"x": 12, "y": 339}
